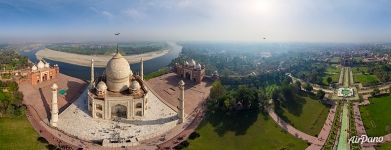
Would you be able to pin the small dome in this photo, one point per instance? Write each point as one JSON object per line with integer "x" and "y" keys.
{"x": 40, "y": 64}
{"x": 34, "y": 68}
{"x": 47, "y": 65}
{"x": 186, "y": 63}
{"x": 193, "y": 63}
{"x": 199, "y": 66}
{"x": 135, "y": 85}
{"x": 101, "y": 86}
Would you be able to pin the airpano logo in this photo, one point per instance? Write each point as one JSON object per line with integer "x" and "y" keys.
{"x": 365, "y": 139}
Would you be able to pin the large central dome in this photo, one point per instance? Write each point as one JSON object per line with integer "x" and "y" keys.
{"x": 117, "y": 73}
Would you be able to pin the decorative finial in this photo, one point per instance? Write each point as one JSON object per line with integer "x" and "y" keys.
{"x": 117, "y": 41}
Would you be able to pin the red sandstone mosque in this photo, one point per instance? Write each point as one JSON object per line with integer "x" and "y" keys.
{"x": 42, "y": 71}
{"x": 192, "y": 71}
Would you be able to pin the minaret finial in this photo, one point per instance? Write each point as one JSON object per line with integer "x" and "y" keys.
{"x": 117, "y": 40}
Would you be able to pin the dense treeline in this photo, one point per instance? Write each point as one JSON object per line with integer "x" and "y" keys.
{"x": 309, "y": 70}
{"x": 10, "y": 99}
{"x": 382, "y": 71}
{"x": 12, "y": 60}
{"x": 254, "y": 92}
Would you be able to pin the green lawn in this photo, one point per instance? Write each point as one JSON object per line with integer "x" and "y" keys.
{"x": 359, "y": 70}
{"x": 17, "y": 133}
{"x": 332, "y": 72}
{"x": 366, "y": 80}
{"x": 386, "y": 146}
{"x": 311, "y": 118}
{"x": 246, "y": 130}
{"x": 375, "y": 116}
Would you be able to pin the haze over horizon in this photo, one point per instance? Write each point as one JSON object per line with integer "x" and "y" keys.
{"x": 200, "y": 20}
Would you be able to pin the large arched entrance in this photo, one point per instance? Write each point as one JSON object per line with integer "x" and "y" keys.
{"x": 118, "y": 111}
{"x": 188, "y": 76}
{"x": 45, "y": 77}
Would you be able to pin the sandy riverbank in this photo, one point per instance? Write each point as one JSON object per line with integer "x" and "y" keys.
{"x": 99, "y": 60}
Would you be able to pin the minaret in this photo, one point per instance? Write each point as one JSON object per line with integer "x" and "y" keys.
{"x": 54, "y": 110}
{"x": 92, "y": 80}
{"x": 142, "y": 69}
{"x": 181, "y": 106}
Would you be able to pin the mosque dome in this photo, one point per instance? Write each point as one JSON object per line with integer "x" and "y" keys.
{"x": 135, "y": 86}
{"x": 34, "y": 68}
{"x": 101, "y": 86}
{"x": 186, "y": 63}
{"x": 193, "y": 63}
{"x": 47, "y": 65}
{"x": 199, "y": 66}
{"x": 40, "y": 64}
{"x": 117, "y": 73}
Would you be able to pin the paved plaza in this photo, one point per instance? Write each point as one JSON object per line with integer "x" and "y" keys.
{"x": 40, "y": 96}
{"x": 166, "y": 86}
{"x": 76, "y": 128}
{"x": 158, "y": 119}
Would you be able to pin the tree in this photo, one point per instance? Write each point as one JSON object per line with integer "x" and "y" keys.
{"x": 308, "y": 87}
{"x": 329, "y": 80}
{"x": 375, "y": 92}
{"x": 217, "y": 90}
{"x": 320, "y": 94}
{"x": 247, "y": 97}
{"x": 298, "y": 85}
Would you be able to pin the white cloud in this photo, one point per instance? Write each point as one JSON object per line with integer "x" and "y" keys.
{"x": 107, "y": 14}
{"x": 134, "y": 14}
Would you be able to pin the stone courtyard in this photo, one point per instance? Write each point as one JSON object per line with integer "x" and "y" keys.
{"x": 166, "y": 86}
{"x": 158, "y": 119}
{"x": 40, "y": 96}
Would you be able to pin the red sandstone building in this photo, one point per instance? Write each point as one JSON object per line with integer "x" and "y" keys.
{"x": 42, "y": 71}
{"x": 192, "y": 71}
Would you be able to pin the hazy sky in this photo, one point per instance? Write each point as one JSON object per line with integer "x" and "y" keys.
{"x": 242, "y": 20}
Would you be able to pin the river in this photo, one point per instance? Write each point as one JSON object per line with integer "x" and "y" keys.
{"x": 82, "y": 72}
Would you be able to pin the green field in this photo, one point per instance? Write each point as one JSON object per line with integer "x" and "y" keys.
{"x": 386, "y": 146}
{"x": 245, "y": 130}
{"x": 332, "y": 72}
{"x": 310, "y": 120}
{"x": 17, "y": 133}
{"x": 366, "y": 80}
{"x": 375, "y": 116}
{"x": 359, "y": 70}
{"x": 361, "y": 75}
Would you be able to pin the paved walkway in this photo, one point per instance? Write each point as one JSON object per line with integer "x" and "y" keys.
{"x": 360, "y": 126}
{"x": 324, "y": 133}
{"x": 316, "y": 142}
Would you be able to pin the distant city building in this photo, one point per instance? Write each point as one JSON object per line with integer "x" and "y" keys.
{"x": 191, "y": 71}
{"x": 42, "y": 72}
{"x": 118, "y": 93}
